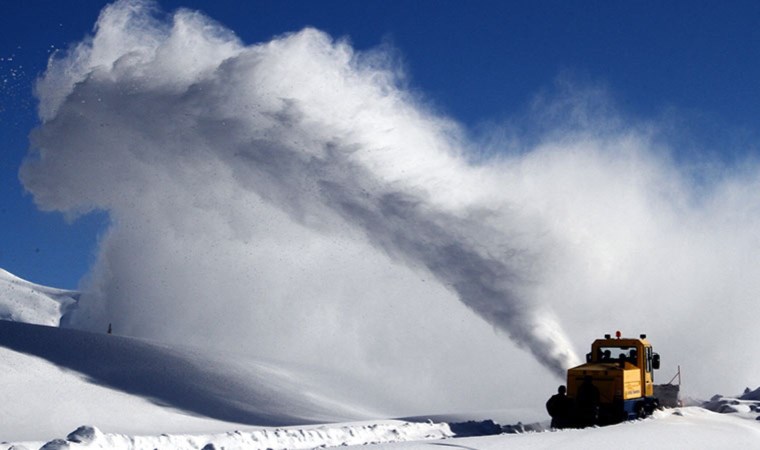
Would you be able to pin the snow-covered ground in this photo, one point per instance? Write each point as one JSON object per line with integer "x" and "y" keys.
{"x": 86, "y": 372}
{"x": 682, "y": 428}
{"x": 62, "y": 388}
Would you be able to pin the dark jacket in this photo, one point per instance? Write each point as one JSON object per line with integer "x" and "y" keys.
{"x": 559, "y": 408}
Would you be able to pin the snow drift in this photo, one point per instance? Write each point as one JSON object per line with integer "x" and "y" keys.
{"x": 231, "y": 389}
{"x": 228, "y": 389}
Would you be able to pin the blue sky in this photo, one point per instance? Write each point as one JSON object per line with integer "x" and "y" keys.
{"x": 477, "y": 62}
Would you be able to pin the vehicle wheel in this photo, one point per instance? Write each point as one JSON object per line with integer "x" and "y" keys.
{"x": 653, "y": 405}
{"x": 641, "y": 410}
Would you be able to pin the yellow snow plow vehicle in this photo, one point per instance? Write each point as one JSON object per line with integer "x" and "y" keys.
{"x": 615, "y": 384}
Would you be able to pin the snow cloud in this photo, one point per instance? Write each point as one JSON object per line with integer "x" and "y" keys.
{"x": 292, "y": 199}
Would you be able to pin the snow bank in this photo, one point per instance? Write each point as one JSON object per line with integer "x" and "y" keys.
{"x": 22, "y": 301}
{"x": 87, "y": 437}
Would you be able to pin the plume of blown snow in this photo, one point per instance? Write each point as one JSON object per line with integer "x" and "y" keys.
{"x": 292, "y": 199}
{"x": 290, "y": 195}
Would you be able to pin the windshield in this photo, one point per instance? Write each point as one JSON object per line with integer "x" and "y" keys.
{"x": 616, "y": 354}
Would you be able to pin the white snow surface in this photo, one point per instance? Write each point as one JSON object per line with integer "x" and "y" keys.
{"x": 131, "y": 386}
{"x": 22, "y": 301}
{"x": 41, "y": 401}
{"x": 682, "y": 428}
{"x": 68, "y": 389}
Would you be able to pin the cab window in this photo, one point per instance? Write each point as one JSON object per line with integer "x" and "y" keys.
{"x": 617, "y": 354}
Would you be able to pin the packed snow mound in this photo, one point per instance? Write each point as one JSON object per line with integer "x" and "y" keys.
{"x": 23, "y": 301}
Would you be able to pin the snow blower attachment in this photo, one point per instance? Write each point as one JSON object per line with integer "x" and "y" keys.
{"x": 669, "y": 393}
{"x": 615, "y": 384}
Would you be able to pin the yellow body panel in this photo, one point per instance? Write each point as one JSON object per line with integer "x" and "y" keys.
{"x": 632, "y": 384}
{"x": 607, "y": 380}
